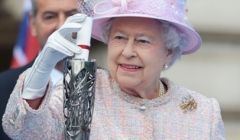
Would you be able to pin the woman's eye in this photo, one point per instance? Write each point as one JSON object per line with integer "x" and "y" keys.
{"x": 143, "y": 41}
{"x": 119, "y": 37}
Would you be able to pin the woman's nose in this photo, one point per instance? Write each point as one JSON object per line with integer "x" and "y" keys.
{"x": 128, "y": 50}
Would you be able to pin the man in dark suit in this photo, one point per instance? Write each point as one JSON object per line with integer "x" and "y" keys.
{"x": 46, "y": 17}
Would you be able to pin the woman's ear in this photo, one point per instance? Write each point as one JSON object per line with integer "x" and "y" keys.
{"x": 169, "y": 52}
{"x": 32, "y": 25}
{"x": 169, "y": 58}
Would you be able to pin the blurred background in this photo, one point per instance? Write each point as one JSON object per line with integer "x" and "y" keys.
{"x": 214, "y": 70}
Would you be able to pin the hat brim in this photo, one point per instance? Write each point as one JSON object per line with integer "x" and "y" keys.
{"x": 193, "y": 38}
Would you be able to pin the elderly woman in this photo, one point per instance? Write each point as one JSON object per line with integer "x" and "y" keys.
{"x": 144, "y": 37}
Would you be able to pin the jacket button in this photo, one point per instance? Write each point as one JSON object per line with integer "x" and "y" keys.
{"x": 142, "y": 107}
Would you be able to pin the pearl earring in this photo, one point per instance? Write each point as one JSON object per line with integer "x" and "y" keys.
{"x": 165, "y": 66}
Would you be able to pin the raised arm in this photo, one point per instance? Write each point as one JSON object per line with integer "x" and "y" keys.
{"x": 59, "y": 45}
{"x": 35, "y": 107}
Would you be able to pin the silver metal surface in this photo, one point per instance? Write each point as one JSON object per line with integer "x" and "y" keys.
{"x": 79, "y": 93}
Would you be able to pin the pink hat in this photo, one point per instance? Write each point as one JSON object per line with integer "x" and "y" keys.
{"x": 172, "y": 11}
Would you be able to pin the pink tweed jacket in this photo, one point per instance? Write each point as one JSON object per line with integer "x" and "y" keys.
{"x": 180, "y": 114}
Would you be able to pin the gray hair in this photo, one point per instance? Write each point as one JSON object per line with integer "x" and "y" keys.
{"x": 175, "y": 41}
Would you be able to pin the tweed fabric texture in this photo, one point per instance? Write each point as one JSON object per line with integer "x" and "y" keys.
{"x": 117, "y": 115}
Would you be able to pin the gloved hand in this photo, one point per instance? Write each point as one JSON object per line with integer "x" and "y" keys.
{"x": 58, "y": 46}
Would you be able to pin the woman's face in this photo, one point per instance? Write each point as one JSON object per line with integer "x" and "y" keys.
{"x": 136, "y": 53}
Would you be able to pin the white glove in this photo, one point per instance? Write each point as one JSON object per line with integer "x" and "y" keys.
{"x": 58, "y": 46}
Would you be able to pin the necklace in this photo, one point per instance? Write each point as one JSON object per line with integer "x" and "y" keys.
{"x": 162, "y": 89}
{"x": 140, "y": 103}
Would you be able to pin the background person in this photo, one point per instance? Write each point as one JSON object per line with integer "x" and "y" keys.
{"x": 46, "y": 17}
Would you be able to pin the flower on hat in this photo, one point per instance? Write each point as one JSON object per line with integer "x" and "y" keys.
{"x": 122, "y": 4}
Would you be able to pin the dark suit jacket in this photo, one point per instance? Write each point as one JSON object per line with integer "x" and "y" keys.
{"x": 8, "y": 80}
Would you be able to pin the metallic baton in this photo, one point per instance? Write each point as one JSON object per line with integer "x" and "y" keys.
{"x": 79, "y": 88}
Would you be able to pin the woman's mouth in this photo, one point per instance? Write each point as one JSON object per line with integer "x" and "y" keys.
{"x": 130, "y": 68}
